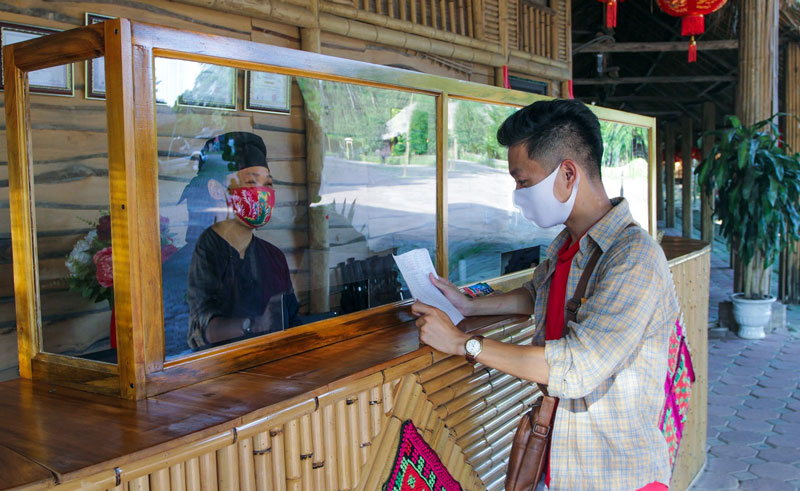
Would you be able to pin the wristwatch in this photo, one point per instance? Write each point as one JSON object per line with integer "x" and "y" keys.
{"x": 473, "y": 348}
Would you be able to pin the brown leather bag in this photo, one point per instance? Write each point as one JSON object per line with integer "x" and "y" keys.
{"x": 529, "y": 448}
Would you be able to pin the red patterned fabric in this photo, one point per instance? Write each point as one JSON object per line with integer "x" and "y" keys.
{"x": 417, "y": 467}
{"x": 678, "y": 390}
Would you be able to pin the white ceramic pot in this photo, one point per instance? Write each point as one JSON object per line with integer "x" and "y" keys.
{"x": 751, "y": 315}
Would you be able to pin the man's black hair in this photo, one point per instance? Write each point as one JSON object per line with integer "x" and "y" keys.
{"x": 555, "y": 130}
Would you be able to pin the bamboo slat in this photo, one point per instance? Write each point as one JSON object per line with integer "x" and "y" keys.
{"x": 364, "y": 426}
{"x": 159, "y": 480}
{"x": 247, "y": 476}
{"x": 331, "y": 459}
{"x": 208, "y": 471}
{"x": 262, "y": 461}
{"x": 192, "y": 473}
{"x": 462, "y": 21}
{"x": 344, "y": 469}
{"x": 292, "y": 445}
{"x": 278, "y": 459}
{"x": 452, "y": 11}
{"x": 177, "y": 477}
{"x": 228, "y": 468}
{"x": 306, "y": 453}
{"x": 318, "y": 445}
{"x": 140, "y": 484}
{"x": 470, "y": 21}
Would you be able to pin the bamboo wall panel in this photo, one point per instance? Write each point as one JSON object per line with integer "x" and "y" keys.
{"x": 789, "y": 278}
{"x": 692, "y": 285}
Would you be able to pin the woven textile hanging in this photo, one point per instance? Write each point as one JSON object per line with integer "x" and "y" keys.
{"x": 692, "y": 14}
{"x": 417, "y": 467}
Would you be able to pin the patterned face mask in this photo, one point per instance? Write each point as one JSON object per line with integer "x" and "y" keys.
{"x": 253, "y": 205}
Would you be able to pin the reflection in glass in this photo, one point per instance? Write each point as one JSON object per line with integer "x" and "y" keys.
{"x": 73, "y": 228}
{"x": 626, "y": 154}
{"x": 347, "y": 178}
{"x": 487, "y": 235}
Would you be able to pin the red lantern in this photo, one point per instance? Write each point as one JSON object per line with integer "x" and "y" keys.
{"x": 692, "y": 14}
{"x": 611, "y": 12}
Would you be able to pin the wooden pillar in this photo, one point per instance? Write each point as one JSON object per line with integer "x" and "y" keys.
{"x": 687, "y": 177}
{"x": 707, "y": 199}
{"x": 318, "y": 241}
{"x": 669, "y": 175}
{"x": 661, "y": 159}
{"x": 789, "y": 279}
{"x": 757, "y": 87}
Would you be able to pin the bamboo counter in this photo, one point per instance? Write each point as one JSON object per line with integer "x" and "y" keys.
{"x": 328, "y": 418}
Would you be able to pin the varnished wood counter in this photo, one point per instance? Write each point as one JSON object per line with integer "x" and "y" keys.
{"x": 51, "y": 435}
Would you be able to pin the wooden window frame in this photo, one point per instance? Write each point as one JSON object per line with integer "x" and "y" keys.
{"x": 129, "y": 48}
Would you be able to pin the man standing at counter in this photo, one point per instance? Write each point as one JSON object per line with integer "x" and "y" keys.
{"x": 608, "y": 367}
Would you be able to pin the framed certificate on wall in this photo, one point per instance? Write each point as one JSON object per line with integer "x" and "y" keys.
{"x": 57, "y": 80}
{"x": 96, "y": 68}
{"x": 268, "y": 92}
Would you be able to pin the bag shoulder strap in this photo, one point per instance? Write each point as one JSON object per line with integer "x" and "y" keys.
{"x": 574, "y": 303}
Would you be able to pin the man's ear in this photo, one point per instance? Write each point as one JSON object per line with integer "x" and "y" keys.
{"x": 570, "y": 171}
{"x": 216, "y": 190}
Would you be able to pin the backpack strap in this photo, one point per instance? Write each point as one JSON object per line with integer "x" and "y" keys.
{"x": 574, "y": 303}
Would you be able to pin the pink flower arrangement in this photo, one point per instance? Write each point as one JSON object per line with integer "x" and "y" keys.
{"x": 104, "y": 267}
{"x": 90, "y": 264}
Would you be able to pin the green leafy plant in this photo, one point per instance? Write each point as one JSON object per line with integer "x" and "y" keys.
{"x": 758, "y": 195}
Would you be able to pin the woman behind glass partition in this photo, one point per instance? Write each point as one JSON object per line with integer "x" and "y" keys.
{"x": 238, "y": 284}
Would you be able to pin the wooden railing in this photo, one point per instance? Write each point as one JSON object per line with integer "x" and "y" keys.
{"x": 445, "y": 15}
{"x": 538, "y": 30}
{"x": 530, "y": 27}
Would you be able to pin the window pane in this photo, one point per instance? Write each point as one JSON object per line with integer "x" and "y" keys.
{"x": 487, "y": 234}
{"x": 626, "y": 155}
{"x": 286, "y": 213}
{"x": 73, "y": 227}
{"x": 488, "y": 237}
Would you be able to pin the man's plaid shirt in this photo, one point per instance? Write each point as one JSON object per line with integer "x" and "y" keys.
{"x": 608, "y": 369}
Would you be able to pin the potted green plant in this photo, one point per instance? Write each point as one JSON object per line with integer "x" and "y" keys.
{"x": 757, "y": 180}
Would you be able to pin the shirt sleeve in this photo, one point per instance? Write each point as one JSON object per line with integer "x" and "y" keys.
{"x": 613, "y": 322}
{"x": 539, "y": 275}
{"x": 201, "y": 296}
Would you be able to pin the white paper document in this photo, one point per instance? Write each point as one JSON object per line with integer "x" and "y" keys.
{"x": 415, "y": 266}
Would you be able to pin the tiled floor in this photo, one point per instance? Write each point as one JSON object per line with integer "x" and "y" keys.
{"x": 754, "y": 400}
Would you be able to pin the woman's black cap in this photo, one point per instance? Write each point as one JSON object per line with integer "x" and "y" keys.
{"x": 239, "y": 149}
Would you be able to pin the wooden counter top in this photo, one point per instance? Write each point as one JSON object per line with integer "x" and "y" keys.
{"x": 55, "y": 434}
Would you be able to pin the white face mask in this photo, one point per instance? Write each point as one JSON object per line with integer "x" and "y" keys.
{"x": 539, "y": 204}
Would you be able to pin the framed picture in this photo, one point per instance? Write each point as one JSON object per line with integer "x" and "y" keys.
{"x": 57, "y": 80}
{"x": 268, "y": 92}
{"x": 95, "y": 68}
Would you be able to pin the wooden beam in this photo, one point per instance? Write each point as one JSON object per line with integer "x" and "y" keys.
{"x": 660, "y": 165}
{"x": 661, "y": 46}
{"x": 707, "y": 199}
{"x": 687, "y": 142}
{"x": 654, "y": 99}
{"x": 669, "y": 174}
{"x": 684, "y": 79}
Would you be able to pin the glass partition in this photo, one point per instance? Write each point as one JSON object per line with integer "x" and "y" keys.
{"x": 286, "y": 212}
{"x": 487, "y": 235}
{"x": 73, "y": 226}
{"x": 626, "y": 166}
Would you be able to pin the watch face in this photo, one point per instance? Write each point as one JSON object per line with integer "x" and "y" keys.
{"x": 473, "y": 346}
